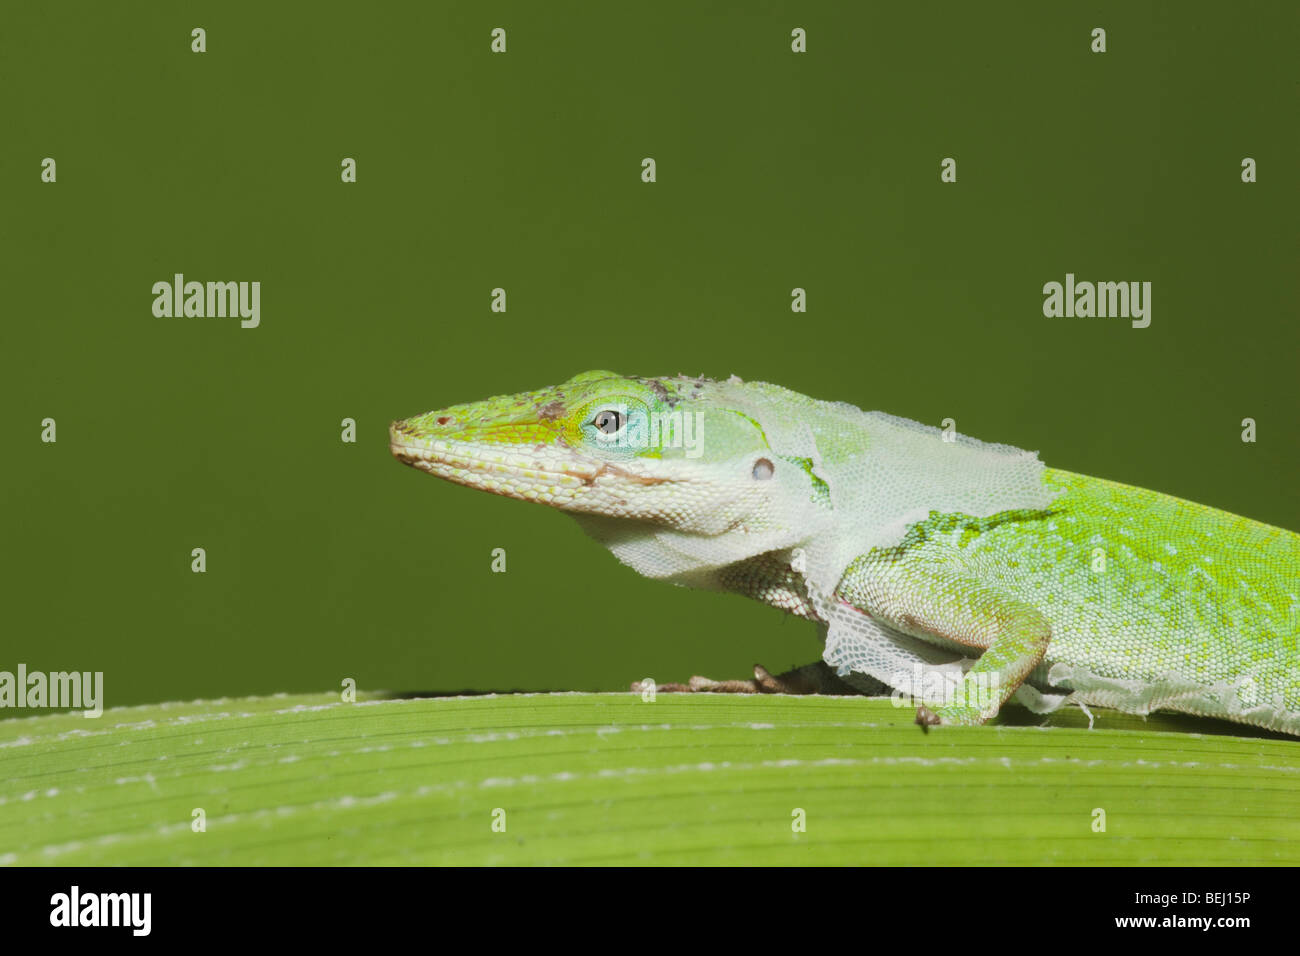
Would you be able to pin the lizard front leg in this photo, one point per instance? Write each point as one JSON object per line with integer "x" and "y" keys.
{"x": 939, "y": 598}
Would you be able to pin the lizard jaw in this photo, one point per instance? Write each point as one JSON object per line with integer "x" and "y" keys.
{"x": 543, "y": 473}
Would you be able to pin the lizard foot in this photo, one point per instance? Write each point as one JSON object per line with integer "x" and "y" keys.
{"x": 812, "y": 679}
{"x": 950, "y": 715}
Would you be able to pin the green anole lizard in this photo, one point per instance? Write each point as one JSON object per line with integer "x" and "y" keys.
{"x": 959, "y": 572}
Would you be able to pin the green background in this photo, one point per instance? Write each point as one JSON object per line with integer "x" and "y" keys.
{"x": 775, "y": 170}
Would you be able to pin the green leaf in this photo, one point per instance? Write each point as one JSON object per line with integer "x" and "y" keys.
{"x": 611, "y": 779}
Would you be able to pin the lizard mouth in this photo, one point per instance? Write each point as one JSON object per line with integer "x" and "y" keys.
{"x": 550, "y": 473}
{"x": 532, "y": 472}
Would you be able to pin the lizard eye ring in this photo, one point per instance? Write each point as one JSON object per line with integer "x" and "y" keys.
{"x": 608, "y": 421}
{"x": 763, "y": 469}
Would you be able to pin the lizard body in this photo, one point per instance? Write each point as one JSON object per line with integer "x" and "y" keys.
{"x": 960, "y": 572}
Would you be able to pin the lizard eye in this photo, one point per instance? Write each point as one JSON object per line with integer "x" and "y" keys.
{"x": 763, "y": 469}
{"x": 608, "y": 421}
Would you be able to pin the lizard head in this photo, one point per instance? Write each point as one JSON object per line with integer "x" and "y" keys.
{"x": 671, "y": 452}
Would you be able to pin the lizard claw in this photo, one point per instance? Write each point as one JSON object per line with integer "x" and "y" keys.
{"x": 768, "y": 684}
{"x": 927, "y": 718}
{"x": 949, "y": 715}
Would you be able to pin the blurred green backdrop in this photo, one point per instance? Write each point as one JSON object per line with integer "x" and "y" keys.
{"x": 476, "y": 170}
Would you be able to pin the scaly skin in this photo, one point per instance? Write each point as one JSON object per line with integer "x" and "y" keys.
{"x": 1126, "y": 597}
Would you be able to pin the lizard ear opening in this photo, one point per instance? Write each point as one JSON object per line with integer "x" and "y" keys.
{"x": 763, "y": 469}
